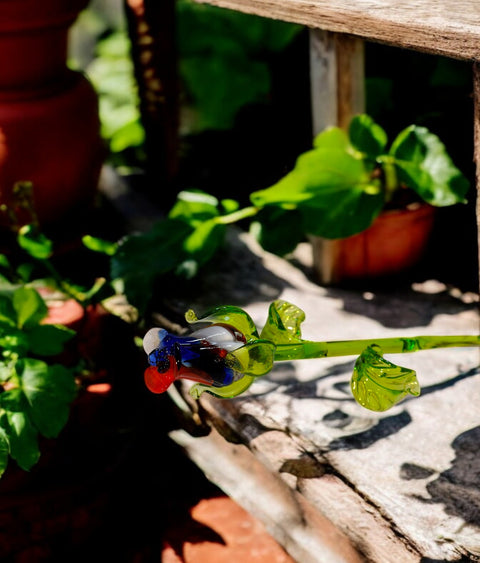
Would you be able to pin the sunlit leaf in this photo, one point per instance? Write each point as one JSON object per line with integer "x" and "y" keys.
{"x": 424, "y": 165}
{"x": 367, "y": 136}
{"x": 378, "y": 384}
{"x": 49, "y": 391}
{"x": 283, "y": 323}
{"x": 22, "y": 438}
{"x": 34, "y": 242}
{"x": 29, "y": 306}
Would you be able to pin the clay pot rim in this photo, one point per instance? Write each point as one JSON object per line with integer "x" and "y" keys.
{"x": 418, "y": 208}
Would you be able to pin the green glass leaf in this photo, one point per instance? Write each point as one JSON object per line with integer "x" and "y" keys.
{"x": 255, "y": 358}
{"x": 226, "y": 314}
{"x": 29, "y": 306}
{"x": 423, "y": 164}
{"x": 49, "y": 391}
{"x": 228, "y": 392}
{"x": 367, "y": 136}
{"x": 283, "y": 323}
{"x": 34, "y": 242}
{"x": 99, "y": 245}
{"x": 22, "y": 438}
{"x": 49, "y": 340}
{"x": 378, "y": 384}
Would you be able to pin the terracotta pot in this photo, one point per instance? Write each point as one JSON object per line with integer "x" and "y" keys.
{"x": 49, "y": 124}
{"x": 394, "y": 243}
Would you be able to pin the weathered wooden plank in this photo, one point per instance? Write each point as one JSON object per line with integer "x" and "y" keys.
{"x": 444, "y": 27}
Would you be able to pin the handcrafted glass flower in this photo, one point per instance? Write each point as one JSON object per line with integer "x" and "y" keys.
{"x": 224, "y": 354}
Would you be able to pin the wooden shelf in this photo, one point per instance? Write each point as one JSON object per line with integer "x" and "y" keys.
{"x": 444, "y": 27}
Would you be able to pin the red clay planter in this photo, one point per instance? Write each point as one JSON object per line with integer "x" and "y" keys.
{"x": 393, "y": 244}
{"x": 49, "y": 125}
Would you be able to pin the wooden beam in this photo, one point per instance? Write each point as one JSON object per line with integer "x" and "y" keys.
{"x": 443, "y": 27}
{"x": 337, "y": 75}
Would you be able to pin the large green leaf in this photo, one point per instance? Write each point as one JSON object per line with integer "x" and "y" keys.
{"x": 30, "y": 307}
{"x": 141, "y": 258}
{"x": 22, "y": 438}
{"x": 278, "y": 230}
{"x": 49, "y": 340}
{"x": 317, "y": 175}
{"x": 344, "y": 214}
{"x": 423, "y": 164}
{"x": 367, "y": 136}
{"x": 49, "y": 391}
{"x": 333, "y": 191}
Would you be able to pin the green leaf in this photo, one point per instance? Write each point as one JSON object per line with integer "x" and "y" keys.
{"x": 423, "y": 164}
{"x": 49, "y": 340}
{"x": 317, "y": 175}
{"x": 204, "y": 241}
{"x": 283, "y": 323}
{"x": 377, "y": 384}
{"x": 367, "y": 136}
{"x": 34, "y": 242}
{"x": 29, "y": 306}
{"x": 254, "y": 359}
{"x": 100, "y": 245}
{"x": 194, "y": 207}
{"x": 141, "y": 259}
{"x": 347, "y": 214}
{"x": 13, "y": 400}
{"x": 278, "y": 230}
{"x": 332, "y": 138}
{"x": 22, "y": 438}
{"x": 226, "y": 314}
{"x": 8, "y": 314}
{"x": 4, "y": 451}
{"x": 49, "y": 391}
{"x": 333, "y": 191}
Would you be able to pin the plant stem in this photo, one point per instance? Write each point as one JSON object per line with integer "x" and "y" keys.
{"x": 237, "y": 215}
{"x": 397, "y": 345}
{"x": 390, "y": 174}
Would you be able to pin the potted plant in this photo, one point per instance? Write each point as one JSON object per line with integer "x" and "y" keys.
{"x": 49, "y": 124}
{"x": 374, "y": 200}
{"x": 64, "y": 427}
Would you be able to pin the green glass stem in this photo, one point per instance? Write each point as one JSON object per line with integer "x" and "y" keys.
{"x": 397, "y": 345}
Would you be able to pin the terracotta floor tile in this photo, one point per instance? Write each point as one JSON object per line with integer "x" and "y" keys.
{"x": 220, "y": 531}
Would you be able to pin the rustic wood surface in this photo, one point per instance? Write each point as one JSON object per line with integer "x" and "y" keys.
{"x": 401, "y": 485}
{"x": 444, "y": 27}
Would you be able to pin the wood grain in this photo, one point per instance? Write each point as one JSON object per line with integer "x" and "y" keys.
{"x": 444, "y": 27}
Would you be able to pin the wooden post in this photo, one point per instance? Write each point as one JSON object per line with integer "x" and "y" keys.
{"x": 476, "y": 128}
{"x": 151, "y": 26}
{"x": 337, "y": 72}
